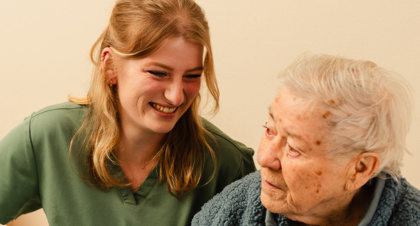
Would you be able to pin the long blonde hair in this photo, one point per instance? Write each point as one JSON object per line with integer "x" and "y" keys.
{"x": 136, "y": 29}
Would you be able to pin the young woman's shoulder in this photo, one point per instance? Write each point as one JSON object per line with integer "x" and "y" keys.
{"x": 53, "y": 126}
{"x": 64, "y": 115}
{"x": 66, "y": 109}
{"x": 222, "y": 140}
{"x": 234, "y": 159}
{"x": 30, "y": 151}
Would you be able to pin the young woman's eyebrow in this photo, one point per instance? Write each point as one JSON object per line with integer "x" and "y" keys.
{"x": 199, "y": 68}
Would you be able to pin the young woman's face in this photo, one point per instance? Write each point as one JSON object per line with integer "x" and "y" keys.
{"x": 299, "y": 177}
{"x": 155, "y": 91}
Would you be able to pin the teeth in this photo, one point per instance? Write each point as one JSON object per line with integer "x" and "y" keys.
{"x": 163, "y": 109}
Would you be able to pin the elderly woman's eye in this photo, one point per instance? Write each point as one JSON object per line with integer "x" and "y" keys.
{"x": 267, "y": 130}
{"x": 291, "y": 151}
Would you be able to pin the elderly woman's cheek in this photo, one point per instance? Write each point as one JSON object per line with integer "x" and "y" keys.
{"x": 295, "y": 175}
{"x": 313, "y": 181}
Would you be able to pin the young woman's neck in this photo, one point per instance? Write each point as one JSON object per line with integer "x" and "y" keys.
{"x": 138, "y": 148}
{"x": 136, "y": 157}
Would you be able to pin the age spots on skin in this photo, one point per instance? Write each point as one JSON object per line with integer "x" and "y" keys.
{"x": 331, "y": 101}
{"x": 318, "y": 187}
{"x": 318, "y": 142}
{"x": 319, "y": 172}
{"x": 326, "y": 114}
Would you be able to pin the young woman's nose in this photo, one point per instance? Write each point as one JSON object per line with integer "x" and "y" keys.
{"x": 269, "y": 155}
{"x": 174, "y": 93}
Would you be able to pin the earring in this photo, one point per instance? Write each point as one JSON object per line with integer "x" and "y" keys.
{"x": 110, "y": 83}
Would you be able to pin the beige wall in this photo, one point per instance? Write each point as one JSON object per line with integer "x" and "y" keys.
{"x": 45, "y": 44}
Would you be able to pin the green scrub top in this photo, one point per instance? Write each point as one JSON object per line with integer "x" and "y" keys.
{"x": 35, "y": 172}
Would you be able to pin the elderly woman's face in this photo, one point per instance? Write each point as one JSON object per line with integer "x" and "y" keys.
{"x": 299, "y": 177}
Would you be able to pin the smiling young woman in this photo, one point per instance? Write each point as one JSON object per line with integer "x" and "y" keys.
{"x": 134, "y": 150}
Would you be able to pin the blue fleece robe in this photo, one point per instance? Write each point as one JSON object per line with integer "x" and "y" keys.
{"x": 239, "y": 204}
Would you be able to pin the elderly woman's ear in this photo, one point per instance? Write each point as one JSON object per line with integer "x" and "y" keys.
{"x": 361, "y": 170}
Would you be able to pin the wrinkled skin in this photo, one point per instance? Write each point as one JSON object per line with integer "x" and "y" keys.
{"x": 300, "y": 179}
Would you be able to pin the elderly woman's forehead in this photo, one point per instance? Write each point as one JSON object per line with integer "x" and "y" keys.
{"x": 288, "y": 105}
{"x": 284, "y": 96}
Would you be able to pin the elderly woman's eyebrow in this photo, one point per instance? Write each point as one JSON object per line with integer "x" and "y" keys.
{"x": 290, "y": 134}
{"x": 296, "y": 136}
{"x": 270, "y": 113}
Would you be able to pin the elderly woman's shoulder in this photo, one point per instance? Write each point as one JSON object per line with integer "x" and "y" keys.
{"x": 408, "y": 206}
{"x": 239, "y": 193}
{"x": 410, "y": 192}
{"x": 238, "y": 204}
{"x": 247, "y": 187}
{"x": 399, "y": 204}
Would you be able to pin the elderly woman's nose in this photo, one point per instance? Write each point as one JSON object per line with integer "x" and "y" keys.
{"x": 174, "y": 93}
{"x": 269, "y": 155}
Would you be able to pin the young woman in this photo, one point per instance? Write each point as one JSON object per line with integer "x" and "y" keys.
{"x": 134, "y": 151}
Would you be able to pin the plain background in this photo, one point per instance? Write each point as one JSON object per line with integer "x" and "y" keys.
{"x": 44, "y": 48}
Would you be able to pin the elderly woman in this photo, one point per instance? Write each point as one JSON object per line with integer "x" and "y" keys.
{"x": 331, "y": 152}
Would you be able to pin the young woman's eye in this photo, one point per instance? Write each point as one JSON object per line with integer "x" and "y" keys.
{"x": 192, "y": 76}
{"x": 158, "y": 73}
{"x": 291, "y": 151}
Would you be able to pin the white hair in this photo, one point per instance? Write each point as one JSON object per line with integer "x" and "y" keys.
{"x": 367, "y": 108}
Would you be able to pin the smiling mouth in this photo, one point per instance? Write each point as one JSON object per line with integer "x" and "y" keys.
{"x": 163, "y": 109}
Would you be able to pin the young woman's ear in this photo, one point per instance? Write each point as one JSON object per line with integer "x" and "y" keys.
{"x": 361, "y": 170}
{"x": 108, "y": 66}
